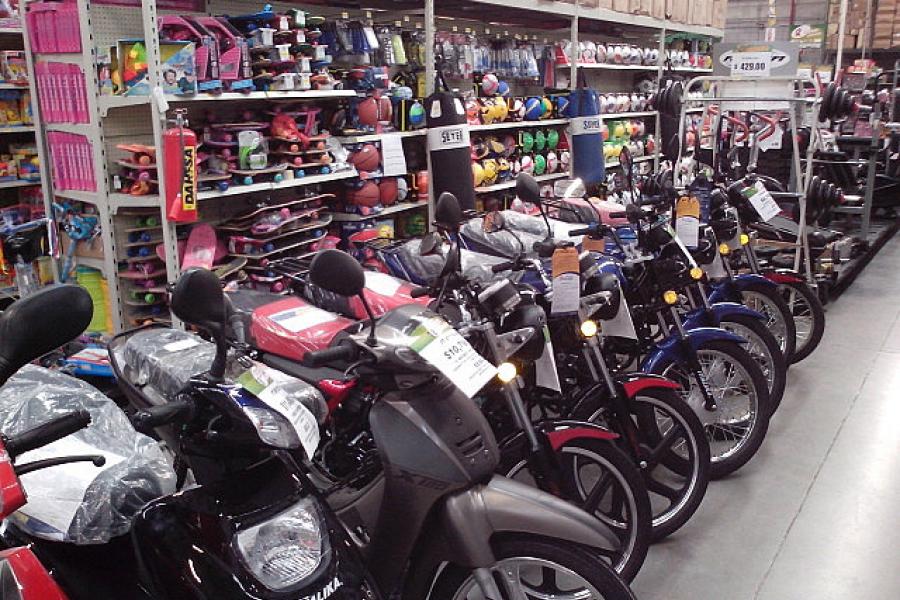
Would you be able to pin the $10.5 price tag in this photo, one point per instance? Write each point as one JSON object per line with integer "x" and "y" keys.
{"x": 442, "y": 346}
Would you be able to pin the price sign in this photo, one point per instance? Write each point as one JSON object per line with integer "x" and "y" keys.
{"x": 439, "y": 344}
{"x": 751, "y": 64}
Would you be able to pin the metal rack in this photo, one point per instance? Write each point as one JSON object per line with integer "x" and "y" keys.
{"x": 143, "y": 119}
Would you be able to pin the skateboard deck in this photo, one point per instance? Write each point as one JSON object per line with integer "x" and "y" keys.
{"x": 139, "y": 276}
{"x": 138, "y": 148}
{"x": 232, "y": 266}
{"x": 200, "y": 249}
{"x": 261, "y": 209}
{"x": 137, "y": 166}
{"x": 255, "y": 227}
{"x": 284, "y": 246}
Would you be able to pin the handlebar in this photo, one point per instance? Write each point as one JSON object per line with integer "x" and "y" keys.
{"x": 158, "y": 416}
{"x": 47, "y": 433}
{"x": 321, "y": 358}
{"x": 418, "y": 292}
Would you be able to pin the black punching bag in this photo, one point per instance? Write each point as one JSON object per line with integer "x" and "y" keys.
{"x": 449, "y": 148}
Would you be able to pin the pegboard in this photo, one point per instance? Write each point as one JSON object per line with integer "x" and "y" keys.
{"x": 109, "y": 24}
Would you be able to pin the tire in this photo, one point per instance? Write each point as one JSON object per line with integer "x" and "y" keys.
{"x": 809, "y": 317}
{"x": 763, "y": 347}
{"x": 779, "y": 320}
{"x": 624, "y": 505}
{"x": 747, "y": 431}
{"x": 538, "y": 553}
{"x": 655, "y": 411}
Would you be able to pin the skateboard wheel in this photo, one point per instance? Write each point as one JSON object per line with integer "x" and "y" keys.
{"x": 277, "y": 287}
{"x": 326, "y": 170}
{"x": 222, "y": 186}
{"x": 144, "y": 251}
{"x": 295, "y": 148}
{"x": 226, "y": 153}
{"x": 151, "y": 222}
{"x": 298, "y": 161}
{"x": 133, "y": 236}
{"x": 269, "y": 247}
{"x": 148, "y": 284}
{"x": 248, "y": 180}
{"x": 144, "y": 159}
{"x": 285, "y": 213}
{"x": 145, "y": 236}
{"x": 298, "y": 173}
{"x": 149, "y": 298}
{"x": 264, "y": 263}
{"x": 279, "y": 178}
{"x": 132, "y": 252}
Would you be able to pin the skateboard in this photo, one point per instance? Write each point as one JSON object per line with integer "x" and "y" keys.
{"x": 249, "y": 176}
{"x": 272, "y": 222}
{"x": 141, "y": 154}
{"x": 145, "y": 297}
{"x": 233, "y": 266}
{"x": 200, "y": 250}
{"x": 283, "y": 245}
{"x": 243, "y": 220}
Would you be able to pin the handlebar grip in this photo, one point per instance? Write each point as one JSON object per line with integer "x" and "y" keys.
{"x": 321, "y": 358}
{"x": 615, "y": 215}
{"x": 158, "y": 416}
{"x": 418, "y": 292}
{"x": 503, "y": 266}
{"x": 48, "y": 432}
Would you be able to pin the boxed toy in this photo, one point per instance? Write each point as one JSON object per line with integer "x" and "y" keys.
{"x": 13, "y": 67}
{"x": 179, "y": 74}
{"x": 10, "y": 108}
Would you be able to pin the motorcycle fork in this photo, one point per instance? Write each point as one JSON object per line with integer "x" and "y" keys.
{"x": 693, "y": 362}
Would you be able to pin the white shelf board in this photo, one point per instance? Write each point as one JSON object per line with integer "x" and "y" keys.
{"x": 374, "y": 137}
{"x": 11, "y": 30}
{"x": 612, "y": 67}
{"x": 612, "y": 164}
{"x": 234, "y": 190}
{"x": 339, "y": 217}
{"x": 691, "y": 70}
{"x": 110, "y": 102}
{"x": 118, "y": 201}
{"x": 512, "y": 183}
{"x": 696, "y": 110}
{"x": 18, "y": 183}
{"x": 629, "y": 115}
{"x": 519, "y": 124}
{"x": 14, "y": 86}
{"x": 77, "y": 195}
{"x": 17, "y": 129}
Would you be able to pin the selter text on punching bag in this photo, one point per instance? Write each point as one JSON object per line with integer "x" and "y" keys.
{"x": 448, "y": 148}
{"x": 586, "y": 136}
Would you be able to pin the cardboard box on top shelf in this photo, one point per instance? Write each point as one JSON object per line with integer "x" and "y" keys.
{"x": 608, "y": 4}
{"x": 720, "y": 10}
{"x": 620, "y": 5}
{"x": 659, "y": 9}
{"x": 678, "y": 10}
{"x": 645, "y": 7}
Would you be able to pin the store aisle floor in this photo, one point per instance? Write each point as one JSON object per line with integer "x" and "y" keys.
{"x": 816, "y": 514}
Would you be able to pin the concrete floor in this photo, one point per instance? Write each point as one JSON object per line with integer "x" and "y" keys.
{"x": 816, "y": 514}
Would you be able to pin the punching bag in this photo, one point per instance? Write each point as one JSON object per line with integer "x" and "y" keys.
{"x": 586, "y": 137}
{"x": 448, "y": 146}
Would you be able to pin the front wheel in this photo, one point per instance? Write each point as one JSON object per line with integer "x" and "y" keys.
{"x": 737, "y": 426}
{"x": 598, "y": 478}
{"x": 535, "y": 567}
{"x": 767, "y": 300}
{"x": 809, "y": 316}
{"x": 764, "y": 349}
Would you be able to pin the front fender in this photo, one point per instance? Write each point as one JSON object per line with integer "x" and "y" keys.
{"x": 730, "y": 289}
{"x": 470, "y": 518}
{"x": 720, "y": 312}
{"x": 633, "y": 383}
{"x": 671, "y": 350}
{"x": 558, "y": 432}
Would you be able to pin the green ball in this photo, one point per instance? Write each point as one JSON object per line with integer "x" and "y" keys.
{"x": 540, "y": 141}
{"x": 540, "y": 164}
{"x": 552, "y": 139}
{"x": 527, "y": 141}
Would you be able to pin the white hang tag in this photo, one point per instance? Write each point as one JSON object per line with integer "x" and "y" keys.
{"x": 448, "y": 137}
{"x": 716, "y": 269}
{"x": 566, "y": 293}
{"x": 687, "y": 253}
{"x": 774, "y": 141}
{"x": 546, "y": 374}
{"x": 586, "y": 125}
{"x": 688, "y": 230}
{"x": 763, "y": 202}
{"x": 621, "y": 325}
{"x": 442, "y": 346}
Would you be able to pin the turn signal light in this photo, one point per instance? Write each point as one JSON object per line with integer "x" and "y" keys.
{"x": 670, "y": 297}
{"x": 745, "y": 239}
{"x": 506, "y": 372}
{"x": 589, "y": 328}
{"x": 696, "y": 273}
{"x": 724, "y": 249}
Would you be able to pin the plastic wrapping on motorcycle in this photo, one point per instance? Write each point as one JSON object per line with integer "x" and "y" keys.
{"x": 286, "y": 326}
{"x": 406, "y": 261}
{"x": 383, "y": 292}
{"x": 160, "y": 362}
{"x": 507, "y": 242}
{"x": 81, "y": 503}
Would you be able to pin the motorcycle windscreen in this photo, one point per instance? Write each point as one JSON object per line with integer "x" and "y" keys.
{"x": 383, "y": 292}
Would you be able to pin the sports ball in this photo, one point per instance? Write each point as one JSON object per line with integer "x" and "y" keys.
{"x": 387, "y": 191}
{"x": 473, "y": 111}
{"x": 368, "y": 195}
{"x": 540, "y": 140}
{"x": 489, "y": 84}
{"x": 618, "y": 130}
{"x": 547, "y": 105}
{"x": 540, "y": 164}
{"x": 487, "y": 111}
{"x": 610, "y": 104}
{"x": 649, "y": 145}
{"x": 489, "y": 168}
{"x": 526, "y": 165}
{"x": 527, "y": 141}
{"x": 367, "y": 112}
{"x": 601, "y": 53}
{"x": 562, "y": 105}
{"x": 607, "y": 150}
{"x": 517, "y": 109}
{"x": 623, "y": 102}
{"x": 477, "y": 173}
{"x": 552, "y": 162}
{"x": 604, "y": 131}
{"x": 617, "y": 54}
{"x": 503, "y": 89}
{"x": 504, "y": 171}
{"x": 589, "y": 54}
{"x": 516, "y": 166}
{"x": 534, "y": 108}
{"x": 416, "y": 114}
{"x": 501, "y": 110}
{"x": 480, "y": 149}
{"x": 552, "y": 139}
{"x": 509, "y": 145}
{"x": 366, "y": 158}
{"x": 402, "y": 189}
{"x": 564, "y": 159}
{"x": 495, "y": 147}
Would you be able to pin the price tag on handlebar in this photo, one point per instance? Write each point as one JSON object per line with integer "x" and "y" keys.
{"x": 687, "y": 222}
{"x": 762, "y": 201}
{"x": 566, "y": 281}
{"x": 589, "y": 244}
{"x": 442, "y": 346}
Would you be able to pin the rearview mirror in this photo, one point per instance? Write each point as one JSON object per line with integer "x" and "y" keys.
{"x": 198, "y": 299}
{"x": 527, "y": 188}
{"x": 338, "y": 273}
{"x": 447, "y": 212}
{"x": 40, "y": 323}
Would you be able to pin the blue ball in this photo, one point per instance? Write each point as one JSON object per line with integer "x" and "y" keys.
{"x": 534, "y": 108}
{"x": 562, "y": 105}
{"x": 503, "y": 89}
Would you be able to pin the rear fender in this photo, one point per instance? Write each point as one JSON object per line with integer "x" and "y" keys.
{"x": 634, "y": 383}
{"x": 671, "y": 349}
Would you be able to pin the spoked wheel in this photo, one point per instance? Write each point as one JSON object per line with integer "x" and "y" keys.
{"x": 738, "y": 425}
{"x": 530, "y": 568}
{"x": 809, "y": 317}
{"x": 602, "y": 481}
{"x": 763, "y": 347}
{"x": 672, "y": 454}
{"x": 779, "y": 320}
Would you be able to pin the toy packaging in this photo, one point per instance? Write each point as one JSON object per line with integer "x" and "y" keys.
{"x": 10, "y": 108}
{"x": 13, "y": 67}
{"x": 178, "y": 67}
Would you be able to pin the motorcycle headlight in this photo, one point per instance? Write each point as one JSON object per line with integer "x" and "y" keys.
{"x": 273, "y": 429}
{"x": 286, "y": 549}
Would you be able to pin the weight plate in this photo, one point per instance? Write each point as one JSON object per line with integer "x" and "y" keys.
{"x": 825, "y": 106}
{"x": 847, "y": 106}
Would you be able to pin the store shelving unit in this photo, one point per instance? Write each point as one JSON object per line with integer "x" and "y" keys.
{"x": 115, "y": 119}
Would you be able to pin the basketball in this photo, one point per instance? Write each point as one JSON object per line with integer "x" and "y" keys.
{"x": 366, "y": 159}
{"x": 387, "y": 191}
{"x": 368, "y": 195}
{"x": 367, "y": 113}
{"x": 489, "y": 84}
